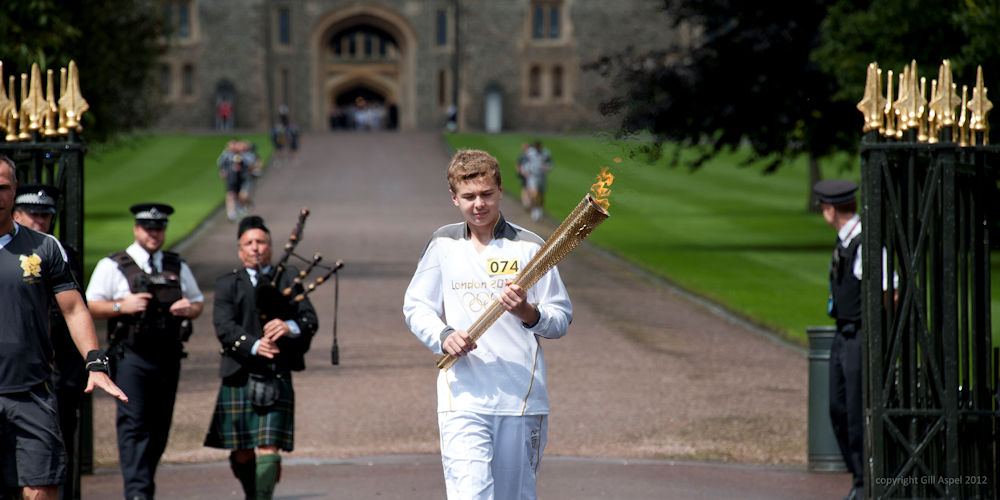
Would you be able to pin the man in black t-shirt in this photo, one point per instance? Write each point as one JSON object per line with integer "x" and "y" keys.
{"x": 34, "y": 277}
{"x": 35, "y": 208}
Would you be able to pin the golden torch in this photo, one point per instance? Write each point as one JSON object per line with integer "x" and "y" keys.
{"x": 590, "y": 213}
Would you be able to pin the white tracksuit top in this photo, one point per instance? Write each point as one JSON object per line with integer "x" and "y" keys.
{"x": 452, "y": 286}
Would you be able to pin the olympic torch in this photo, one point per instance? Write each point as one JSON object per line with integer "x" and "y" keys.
{"x": 588, "y": 214}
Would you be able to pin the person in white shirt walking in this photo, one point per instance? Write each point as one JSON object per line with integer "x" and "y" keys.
{"x": 149, "y": 297}
{"x": 493, "y": 403}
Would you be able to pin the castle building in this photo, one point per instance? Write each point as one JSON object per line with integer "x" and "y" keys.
{"x": 498, "y": 64}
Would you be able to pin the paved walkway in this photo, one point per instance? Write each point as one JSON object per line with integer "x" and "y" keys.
{"x": 654, "y": 396}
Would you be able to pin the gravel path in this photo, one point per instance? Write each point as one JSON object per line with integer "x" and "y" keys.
{"x": 643, "y": 373}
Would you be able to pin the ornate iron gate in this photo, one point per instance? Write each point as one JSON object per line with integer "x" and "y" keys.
{"x": 931, "y": 391}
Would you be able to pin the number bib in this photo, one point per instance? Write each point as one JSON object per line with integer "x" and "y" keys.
{"x": 502, "y": 266}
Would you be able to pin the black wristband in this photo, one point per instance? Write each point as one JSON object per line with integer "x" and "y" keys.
{"x": 97, "y": 361}
{"x": 536, "y": 321}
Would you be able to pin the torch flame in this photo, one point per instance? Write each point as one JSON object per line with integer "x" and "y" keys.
{"x": 601, "y": 189}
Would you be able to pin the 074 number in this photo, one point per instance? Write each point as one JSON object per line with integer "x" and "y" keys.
{"x": 502, "y": 266}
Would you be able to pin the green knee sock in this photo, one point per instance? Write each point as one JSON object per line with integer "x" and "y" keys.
{"x": 246, "y": 472}
{"x": 268, "y": 470}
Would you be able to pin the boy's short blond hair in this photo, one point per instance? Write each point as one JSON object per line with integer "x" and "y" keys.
{"x": 468, "y": 164}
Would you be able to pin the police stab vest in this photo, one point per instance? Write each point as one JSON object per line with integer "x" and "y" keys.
{"x": 155, "y": 328}
{"x": 845, "y": 288}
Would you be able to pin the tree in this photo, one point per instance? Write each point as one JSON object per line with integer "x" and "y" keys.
{"x": 115, "y": 43}
{"x": 747, "y": 79}
{"x": 784, "y": 77}
{"x": 895, "y": 32}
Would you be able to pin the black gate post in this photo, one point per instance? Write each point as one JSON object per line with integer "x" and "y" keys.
{"x": 932, "y": 408}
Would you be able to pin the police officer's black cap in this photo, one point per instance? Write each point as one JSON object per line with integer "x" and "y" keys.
{"x": 36, "y": 198}
{"x": 152, "y": 215}
{"x": 251, "y": 222}
{"x": 834, "y": 191}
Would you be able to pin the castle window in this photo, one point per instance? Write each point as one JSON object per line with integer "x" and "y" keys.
{"x": 553, "y": 22}
{"x": 442, "y": 28}
{"x": 539, "y": 23}
{"x": 557, "y": 82}
{"x": 187, "y": 80}
{"x": 546, "y": 19}
{"x": 177, "y": 15}
{"x": 363, "y": 42}
{"x": 165, "y": 79}
{"x": 284, "y": 26}
{"x": 183, "y": 20}
{"x": 535, "y": 81}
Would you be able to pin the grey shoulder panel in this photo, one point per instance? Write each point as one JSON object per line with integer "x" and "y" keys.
{"x": 514, "y": 232}
{"x": 454, "y": 231}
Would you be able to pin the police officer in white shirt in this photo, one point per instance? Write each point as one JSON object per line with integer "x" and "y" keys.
{"x": 148, "y": 297}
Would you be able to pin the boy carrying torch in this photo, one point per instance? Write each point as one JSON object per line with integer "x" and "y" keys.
{"x": 493, "y": 403}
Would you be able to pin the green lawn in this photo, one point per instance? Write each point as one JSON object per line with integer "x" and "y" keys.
{"x": 728, "y": 233}
{"x": 175, "y": 169}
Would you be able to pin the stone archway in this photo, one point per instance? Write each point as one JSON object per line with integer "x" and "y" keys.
{"x": 363, "y": 47}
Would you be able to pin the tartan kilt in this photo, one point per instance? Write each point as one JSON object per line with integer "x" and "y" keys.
{"x": 237, "y": 425}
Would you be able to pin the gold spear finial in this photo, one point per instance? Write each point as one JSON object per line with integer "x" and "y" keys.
{"x": 898, "y": 106}
{"x": 979, "y": 105}
{"x": 62, "y": 130}
{"x": 35, "y": 106}
{"x": 917, "y": 87}
{"x": 51, "y": 111}
{"x": 933, "y": 120}
{"x": 11, "y": 117}
{"x": 5, "y": 102}
{"x": 911, "y": 102}
{"x": 923, "y": 116}
{"x": 23, "y": 133}
{"x": 72, "y": 101}
{"x": 890, "y": 114}
{"x": 943, "y": 102}
{"x": 872, "y": 103}
{"x": 963, "y": 122}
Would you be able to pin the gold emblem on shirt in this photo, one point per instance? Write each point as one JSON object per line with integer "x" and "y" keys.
{"x": 502, "y": 266}
{"x": 31, "y": 265}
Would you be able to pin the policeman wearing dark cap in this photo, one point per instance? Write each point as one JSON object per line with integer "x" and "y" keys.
{"x": 840, "y": 209}
{"x": 148, "y": 296}
{"x": 35, "y": 208}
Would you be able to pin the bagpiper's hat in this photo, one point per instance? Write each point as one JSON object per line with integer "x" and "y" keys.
{"x": 834, "y": 191}
{"x": 151, "y": 215}
{"x": 36, "y": 198}
{"x": 251, "y": 222}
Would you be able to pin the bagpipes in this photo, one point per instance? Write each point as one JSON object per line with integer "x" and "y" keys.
{"x": 282, "y": 304}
